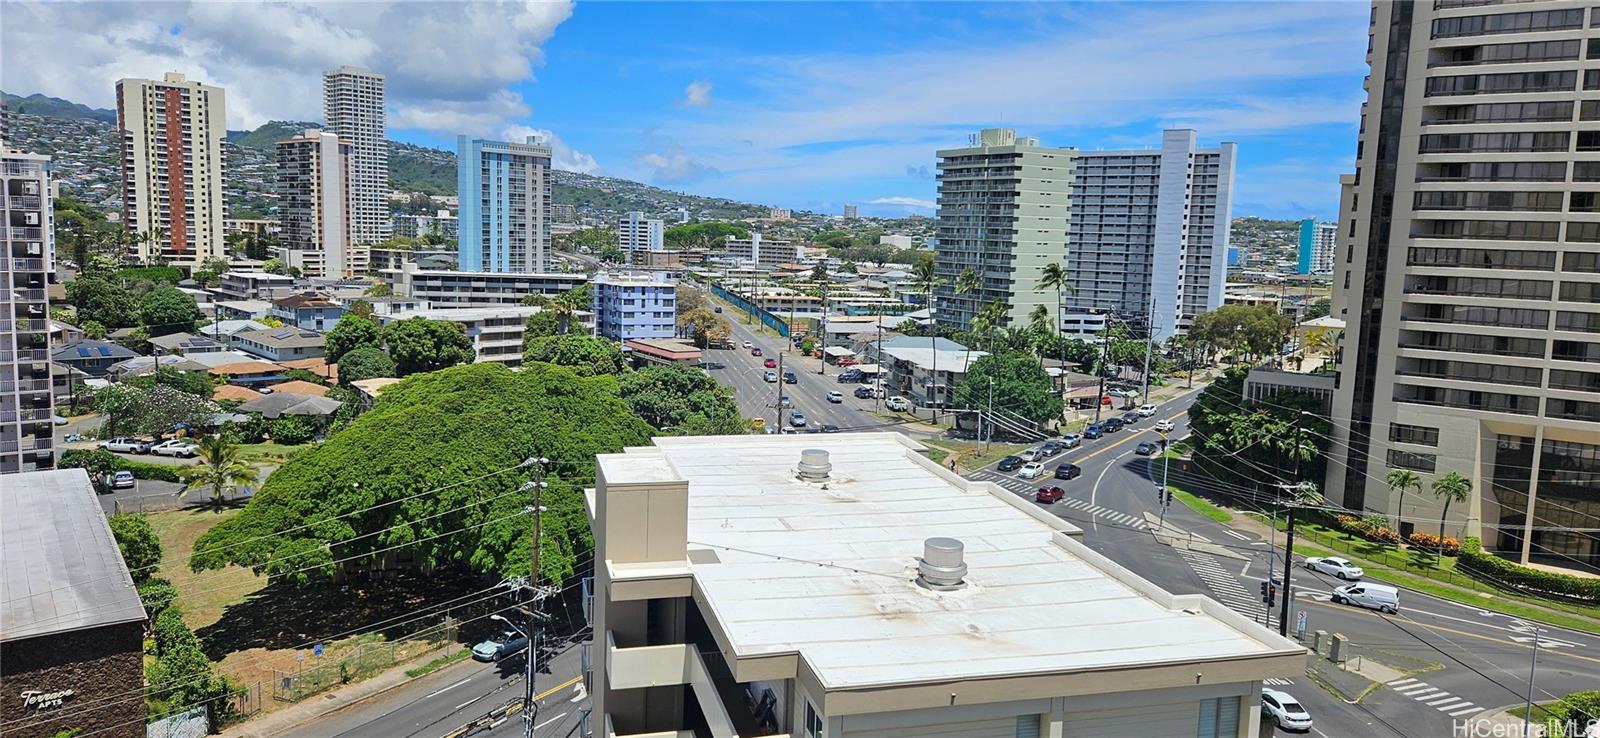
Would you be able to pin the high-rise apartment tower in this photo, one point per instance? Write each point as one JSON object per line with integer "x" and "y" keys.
{"x": 352, "y": 100}
{"x": 26, "y": 401}
{"x": 172, "y": 132}
{"x": 1468, "y": 271}
{"x": 505, "y": 205}
{"x": 314, "y": 204}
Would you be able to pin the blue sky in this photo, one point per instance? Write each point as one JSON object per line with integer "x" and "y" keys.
{"x": 812, "y": 105}
{"x": 797, "y": 104}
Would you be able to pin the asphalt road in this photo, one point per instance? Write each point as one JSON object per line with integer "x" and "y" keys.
{"x": 1484, "y": 655}
{"x": 438, "y": 704}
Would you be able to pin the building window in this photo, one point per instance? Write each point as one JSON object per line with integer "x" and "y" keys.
{"x": 1219, "y": 718}
{"x": 1585, "y": 322}
{"x": 1027, "y": 726}
{"x": 1580, "y": 291}
{"x": 1407, "y": 460}
{"x": 1481, "y": 258}
{"x": 813, "y": 721}
{"x": 1417, "y": 434}
{"x": 1489, "y": 200}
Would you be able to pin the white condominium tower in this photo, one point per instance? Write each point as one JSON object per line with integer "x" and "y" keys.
{"x": 1003, "y": 203}
{"x": 314, "y": 201}
{"x": 353, "y": 105}
{"x": 1468, "y": 271}
{"x": 638, "y": 233}
{"x": 27, "y": 260}
{"x": 505, "y": 205}
{"x": 1149, "y": 234}
{"x": 172, "y": 132}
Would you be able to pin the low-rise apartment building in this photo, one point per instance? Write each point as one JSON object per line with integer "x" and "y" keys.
{"x": 630, "y": 306}
{"x": 496, "y": 331}
{"x": 238, "y": 285}
{"x": 763, "y": 252}
{"x": 848, "y": 586}
{"x": 311, "y": 310}
{"x": 923, "y": 370}
{"x": 281, "y": 344}
{"x": 449, "y": 287}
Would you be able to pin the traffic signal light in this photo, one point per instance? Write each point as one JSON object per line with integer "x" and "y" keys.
{"x": 1269, "y": 593}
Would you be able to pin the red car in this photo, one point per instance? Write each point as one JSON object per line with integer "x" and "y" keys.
{"x": 1048, "y": 495}
{"x": 755, "y": 351}
{"x": 847, "y": 361}
{"x": 770, "y": 363}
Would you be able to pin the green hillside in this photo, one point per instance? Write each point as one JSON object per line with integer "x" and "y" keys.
{"x": 269, "y": 134}
{"x": 55, "y": 107}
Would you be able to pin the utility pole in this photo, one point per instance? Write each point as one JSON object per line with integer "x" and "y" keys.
{"x": 530, "y": 709}
{"x": 1149, "y": 345}
{"x": 777, "y": 403}
{"x": 1105, "y": 360}
{"x": 991, "y": 417}
{"x": 822, "y": 366}
{"x": 1288, "y": 566}
{"x": 877, "y": 377}
{"x": 1533, "y": 665}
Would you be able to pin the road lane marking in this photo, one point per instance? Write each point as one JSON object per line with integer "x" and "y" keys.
{"x": 1363, "y": 611}
{"x": 551, "y": 720}
{"x": 1239, "y": 536}
{"x": 557, "y": 688}
{"x": 442, "y": 690}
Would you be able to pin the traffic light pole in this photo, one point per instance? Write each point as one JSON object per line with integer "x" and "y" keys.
{"x": 1288, "y": 566}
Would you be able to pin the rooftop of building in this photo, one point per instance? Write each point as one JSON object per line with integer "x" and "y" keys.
{"x": 283, "y": 338}
{"x": 827, "y": 569}
{"x": 85, "y": 349}
{"x": 258, "y": 276}
{"x": 60, "y": 569}
{"x": 184, "y": 342}
{"x": 306, "y": 300}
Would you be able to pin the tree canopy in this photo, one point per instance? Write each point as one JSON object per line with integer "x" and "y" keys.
{"x": 1251, "y": 330}
{"x": 701, "y": 235}
{"x": 141, "y": 549}
{"x": 432, "y": 469}
{"x": 131, "y": 409}
{"x": 350, "y": 333}
{"x": 586, "y": 355}
{"x": 1021, "y": 387}
{"x": 102, "y": 302}
{"x": 365, "y": 362}
{"x": 422, "y": 345}
{"x": 681, "y": 401}
{"x": 1257, "y": 444}
{"x": 167, "y": 310}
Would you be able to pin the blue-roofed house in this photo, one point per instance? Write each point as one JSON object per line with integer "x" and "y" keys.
{"x": 90, "y": 356}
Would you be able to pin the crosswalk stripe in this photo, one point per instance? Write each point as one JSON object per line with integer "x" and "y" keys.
{"x": 1448, "y": 703}
{"x": 1418, "y": 694}
{"x": 1399, "y": 682}
{"x": 1470, "y": 708}
{"x": 1436, "y": 700}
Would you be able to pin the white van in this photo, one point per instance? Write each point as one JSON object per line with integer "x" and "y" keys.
{"x": 1381, "y": 597}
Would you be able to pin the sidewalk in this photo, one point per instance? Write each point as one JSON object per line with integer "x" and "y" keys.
{"x": 323, "y": 703}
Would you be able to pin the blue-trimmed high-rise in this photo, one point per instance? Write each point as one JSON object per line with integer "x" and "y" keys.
{"x": 505, "y": 205}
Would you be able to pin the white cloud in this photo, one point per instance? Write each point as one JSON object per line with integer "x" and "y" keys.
{"x": 697, "y": 95}
{"x": 668, "y": 163}
{"x": 915, "y": 203}
{"x": 449, "y": 65}
{"x": 562, "y": 156}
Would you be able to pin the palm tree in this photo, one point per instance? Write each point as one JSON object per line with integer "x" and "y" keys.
{"x": 1399, "y": 481}
{"x": 562, "y": 311}
{"x": 221, "y": 469}
{"x": 966, "y": 283}
{"x": 1055, "y": 277}
{"x": 925, "y": 280}
{"x": 1039, "y": 325}
{"x": 1451, "y": 487}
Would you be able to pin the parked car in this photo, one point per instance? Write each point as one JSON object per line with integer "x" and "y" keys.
{"x": 1009, "y": 463}
{"x": 1051, "y": 448}
{"x": 1048, "y": 495}
{"x": 73, "y": 438}
{"x": 770, "y": 376}
{"x": 770, "y": 363}
{"x": 1068, "y": 470}
{"x": 830, "y": 428}
{"x": 122, "y": 480}
{"x": 125, "y": 445}
{"x": 1030, "y": 454}
{"x": 1093, "y": 431}
{"x": 898, "y": 403}
{"x": 175, "y": 447}
{"x": 848, "y": 375}
{"x": 1119, "y": 392}
{"x": 1336, "y": 566}
{"x": 58, "y": 420}
{"x": 500, "y": 646}
{"x": 755, "y": 351}
{"x": 864, "y": 393}
{"x": 1165, "y": 426}
{"x": 1111, "y": 425}
{"x": 797, "y": 419}
{"x": 1381, "y": 597}
{"x": 1031, "y": 470}
{"x": 789, "y": 377}
{"x": 1147, "y": 410}
{"x": 1285, "y": 710}
{"x": 1145, "y": 448}
{"x": 716, "y": 308}
{"x": 712, "y": 365}
{"x": 847, "y": 361}
{"x": 836, "y": 397}
{"x": 1071, "y": 440}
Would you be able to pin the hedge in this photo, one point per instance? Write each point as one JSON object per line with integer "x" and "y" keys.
{"x": 103, "y": 461}
{"x": 1474, "y": 559}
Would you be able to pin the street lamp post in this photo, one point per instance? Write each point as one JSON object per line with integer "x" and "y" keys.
{"x": 1533, "y": 665}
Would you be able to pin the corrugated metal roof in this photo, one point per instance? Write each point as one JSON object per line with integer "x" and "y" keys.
{"x": 60, "y": 569}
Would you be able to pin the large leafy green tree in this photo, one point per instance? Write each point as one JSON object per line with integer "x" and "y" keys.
{"x": 102, "y": 302}
{"x": 586, "y": 355}
{"x": 167, "y": 310}
{"x": 680, "y": 400}
{"x": 366, "y": 362}
{"x": 350, "y": 333}
{"x": 701, "y": 235}
{"x": 1020, "y": 387}
{"x": 197, "y": 383}
{"x": 432, "y": 469}
{"x": 1257, "y": 445}
{"x": 422, "y": 345}
{"x": 1252, "y": 331}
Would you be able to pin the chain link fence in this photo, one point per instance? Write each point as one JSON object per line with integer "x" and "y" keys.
{"x": 358, "y": 658}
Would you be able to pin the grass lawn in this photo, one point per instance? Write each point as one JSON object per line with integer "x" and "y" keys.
{"x": 204, "y": 596}
{"x": 971, "y": 455}
{"x": 1200, "y": 505}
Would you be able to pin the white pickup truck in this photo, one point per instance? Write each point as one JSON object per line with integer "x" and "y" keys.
{"x": 175, "y": 447}
{"x": 125, "y": 445}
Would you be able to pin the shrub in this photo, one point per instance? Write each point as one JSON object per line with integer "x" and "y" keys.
{"x": 1383, "y": 534}
{"x": 100, "y": 462}
{"x": 293, "y": 430}
{"x": 1430, "y": 542}
{"x": 1475, "y": 559}
{"x": 141, "y": 549}
{"x": 253, "y": 430}
{"x": 157, "y": 596}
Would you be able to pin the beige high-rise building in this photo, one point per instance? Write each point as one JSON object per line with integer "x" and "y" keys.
{"x": 172, "y": 200}
{"x": 27, "y": 259}
{"x": 1468, "y": 270}
{"x": 353, "y": 107}
{"x": 314, "y": 202}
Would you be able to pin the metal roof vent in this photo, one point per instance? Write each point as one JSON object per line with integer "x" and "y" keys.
{"x": 942, "y": 567}
{"x": 814, "y": 465}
